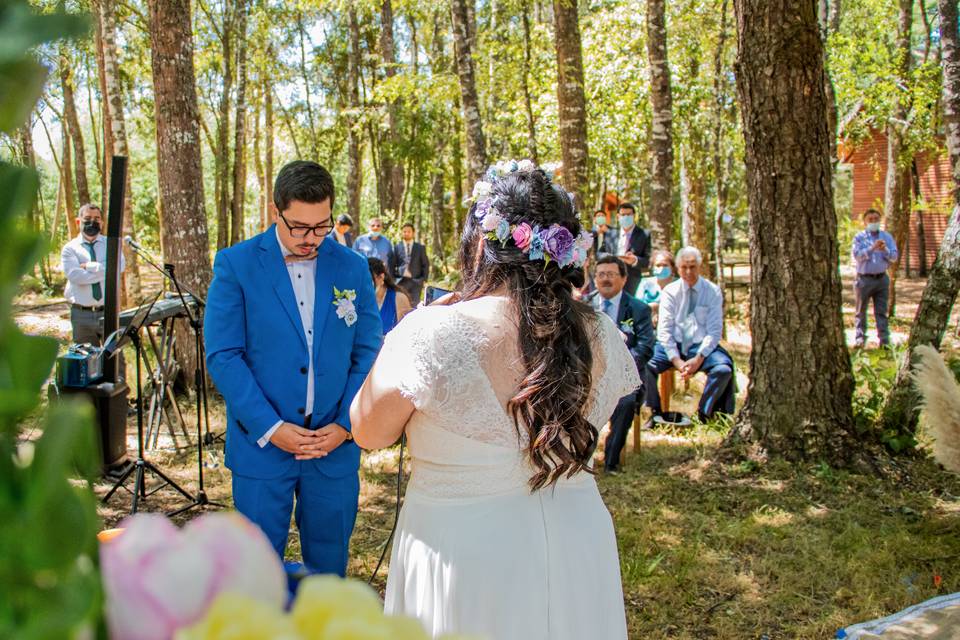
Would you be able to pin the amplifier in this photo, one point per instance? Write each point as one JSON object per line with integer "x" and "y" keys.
{"x": 80, "y": 366}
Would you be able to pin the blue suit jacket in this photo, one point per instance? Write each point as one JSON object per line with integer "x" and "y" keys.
{"x": 257, "y": 351}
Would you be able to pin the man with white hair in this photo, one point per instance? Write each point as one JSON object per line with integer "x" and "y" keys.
{"x": 688, "y": 338}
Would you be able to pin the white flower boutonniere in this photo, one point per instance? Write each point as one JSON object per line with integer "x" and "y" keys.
{"x": 343, "y": 301}
{"x": 627, "y": 326}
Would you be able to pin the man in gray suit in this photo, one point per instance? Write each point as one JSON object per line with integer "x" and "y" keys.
{"x": 410, "y": 266}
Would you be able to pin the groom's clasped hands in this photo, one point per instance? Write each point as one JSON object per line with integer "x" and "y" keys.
{"x": 307, "y": 444}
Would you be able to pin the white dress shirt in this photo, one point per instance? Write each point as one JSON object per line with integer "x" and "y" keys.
{"x": 302, "y": 276}
{"x": 614, "y": 310}
{"x": 703, "y": 326}
{"x": 623, "y": 241}
{"x": 80, "y": 280}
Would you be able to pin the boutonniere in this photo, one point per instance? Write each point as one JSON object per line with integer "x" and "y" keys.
{"x": 343, "y": 301}
{"x": 627, "y": 326}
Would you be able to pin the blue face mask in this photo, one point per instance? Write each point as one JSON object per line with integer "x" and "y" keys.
{"x": 599, "y": 220}
{"x": 662, "y": 273}
{"x": 873, "y": 227}
{"x": 374, "y": 234}
{"x": 626, "y": 222}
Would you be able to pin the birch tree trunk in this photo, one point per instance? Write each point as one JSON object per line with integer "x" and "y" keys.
{"x": 470, "y": 103}
{"x": 899, "y": 414}
{"x": 661, "y": 103}
{"x": 180, "y": 175}
{"x": 571, "y": 100}
{"x": 799, "y": 395}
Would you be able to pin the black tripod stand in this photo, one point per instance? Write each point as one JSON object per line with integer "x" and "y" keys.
{"x": 141, "y": 466}
{"x": 194, "y": 317}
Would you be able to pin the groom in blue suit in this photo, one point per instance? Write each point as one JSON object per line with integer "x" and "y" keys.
{"x": 291, "y": 330}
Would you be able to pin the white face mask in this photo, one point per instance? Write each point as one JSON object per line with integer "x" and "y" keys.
{"x": 873, "y": 227}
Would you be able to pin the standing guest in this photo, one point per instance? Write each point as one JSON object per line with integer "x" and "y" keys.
{"x": 688, "y": 338}
{"x": 291, "y": 332}
{"x": 410, "y": 265}
{"x": 664, "y": 272}
{"x": 632, "y": 317}
{"x": 342, "y": 230}
{"x": 374, "y": 244}
{"x": 632, "y": 245}
{"x": 83, "y": 261}
{"x": 874, "y": 250}
{"x": 393, "y": 301}
{"x": 603, "y": 240}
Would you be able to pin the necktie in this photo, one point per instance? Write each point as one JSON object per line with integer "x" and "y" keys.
{"x": 689, "y": 323}
{"x": 607, "y": 305}
{"x": 97, "y": 291}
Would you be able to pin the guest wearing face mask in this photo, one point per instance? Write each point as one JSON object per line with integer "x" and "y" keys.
{"x": 632, "y": 245}
{"x": 664, "y": 272}
{"x": 84, "y": 261}
{"x": 874, "y": 250}
{"x": 604, "y": 241}
{"x": 374, "y": 244}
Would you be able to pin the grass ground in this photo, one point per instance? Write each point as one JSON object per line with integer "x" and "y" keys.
{"x": 707, "y": 549}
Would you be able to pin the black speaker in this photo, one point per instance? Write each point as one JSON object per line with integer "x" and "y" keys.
{"x": 109, "y": 400}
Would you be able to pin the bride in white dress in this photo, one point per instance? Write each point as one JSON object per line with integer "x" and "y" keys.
{"x": 503, "y": 533}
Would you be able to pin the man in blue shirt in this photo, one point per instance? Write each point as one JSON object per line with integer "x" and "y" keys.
{"x": 375, "y": 244}
{"x": 874, "y": 251}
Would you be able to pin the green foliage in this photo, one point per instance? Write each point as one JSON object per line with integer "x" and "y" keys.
{"x": 49, "y": 587}
{"x": 875, "y": 373}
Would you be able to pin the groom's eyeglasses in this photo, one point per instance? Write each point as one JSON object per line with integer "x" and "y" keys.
{"x": 298, "y": 231}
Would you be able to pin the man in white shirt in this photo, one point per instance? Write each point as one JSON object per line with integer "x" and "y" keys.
{"x": 689, "y": 329}
{"x": 84, "y": 263}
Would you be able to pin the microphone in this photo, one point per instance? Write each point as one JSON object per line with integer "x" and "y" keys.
{"x": 130, "y": 242}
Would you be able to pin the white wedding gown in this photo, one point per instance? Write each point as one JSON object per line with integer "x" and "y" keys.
{"x": 475, "y": 551}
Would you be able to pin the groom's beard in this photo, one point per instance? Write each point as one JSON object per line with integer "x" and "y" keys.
{"x": 307, "y": 249}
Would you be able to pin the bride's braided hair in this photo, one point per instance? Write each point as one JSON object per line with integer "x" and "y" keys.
{"x": 550, "y": 402}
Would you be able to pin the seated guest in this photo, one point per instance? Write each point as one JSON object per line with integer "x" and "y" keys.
{"x": 664, "y": 272}
{"x": 632, "y": 317}
{"x": 393, "y": 302}
{"x": 342, "y": 230}
{"x": 688, "y": 338}
{"x": 375, "y": 244}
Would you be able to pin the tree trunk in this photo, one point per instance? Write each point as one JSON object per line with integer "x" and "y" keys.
{"x": 268, "y": 151}
{"x": 694, "y": 200}
{"x": 719, "y": 173}
{"x": 661, "y": 103}
{"x": 896, "y": 193}
{"x": 221, "y": 158}
{"x": 180, "y": 175}
{"x": 470, "y": 103}
{"x": 391, "y": 169}
{"x": 66, "y": 181}
{"x": 103, "y": 161}
{"x": 314, "y": 142}
{"x": 131, "y": 276}
{"x": 240, "y": 129}
{"x": 73, "y": 127}
{"x": 354, "y": 133}
{"x": 527, "y": 102}
{"x": 258, "y": 168}
{"x": 799, "y": 395}
{"x": 899, "y": 414}
{"x": 571, "y": 100}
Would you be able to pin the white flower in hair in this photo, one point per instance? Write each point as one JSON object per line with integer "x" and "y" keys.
{"x": 481, "y": 190}
{"x": 526, "y": 165}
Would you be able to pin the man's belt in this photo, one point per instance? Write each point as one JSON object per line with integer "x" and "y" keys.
{"x": 85, "y": 308}
{"x": 871, "y": 275}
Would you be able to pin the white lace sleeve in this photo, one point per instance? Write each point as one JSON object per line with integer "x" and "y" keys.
{"x": 408, "y": 358}
{"x": 616, "y": 378}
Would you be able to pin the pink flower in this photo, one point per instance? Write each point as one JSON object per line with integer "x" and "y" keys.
{"x": 522, "y": 235}
{"x": 491, "y": 221}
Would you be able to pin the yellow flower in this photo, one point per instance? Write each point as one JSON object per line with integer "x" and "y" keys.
{"x": 237, "y": 617}
{"x": 323, "y": 599}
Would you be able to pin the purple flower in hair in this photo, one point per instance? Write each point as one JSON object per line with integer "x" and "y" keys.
{"x": 558, "y": 244}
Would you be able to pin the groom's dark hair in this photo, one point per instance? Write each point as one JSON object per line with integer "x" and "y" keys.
{"x": 302, "y": 180}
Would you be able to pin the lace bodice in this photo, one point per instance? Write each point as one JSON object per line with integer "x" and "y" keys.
{"x": 460, "y": 365}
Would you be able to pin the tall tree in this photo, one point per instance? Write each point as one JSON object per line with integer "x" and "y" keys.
{"x": 118, "y": 134}
{"x": 897, "y": 186}
{"x": 103, "y": 159}
{"x": 719, "y": 166}
{"x": 571, "y": 100}
{"x": 391, "y": 181}
{"x": 184, "y": 222}
{"x": 221, "y": 158}
{"x": 240, "y": 128}
{"x": 73, "y": 127}
{"x": 799, "y": 395}
{"x": 469, "y": 101}
{"x": 354, "y": 132}
{"x": 661, "y": 103}
{"x": 899, "y": 414}
{"x": 268, "y": 150}
{"x": 527, "y": 101}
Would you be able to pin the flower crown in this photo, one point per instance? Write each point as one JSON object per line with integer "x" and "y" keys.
{"x": 551, "y": 243}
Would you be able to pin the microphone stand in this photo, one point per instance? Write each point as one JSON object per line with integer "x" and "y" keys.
{"x": 199, "y": 373}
